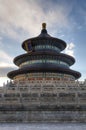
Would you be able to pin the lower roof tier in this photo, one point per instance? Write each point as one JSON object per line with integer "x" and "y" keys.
{"x": 14, "y": 73}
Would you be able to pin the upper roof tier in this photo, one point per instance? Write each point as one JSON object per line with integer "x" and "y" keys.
{"x": 44, "y": 38}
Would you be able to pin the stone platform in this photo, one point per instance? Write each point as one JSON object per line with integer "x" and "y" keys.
{"x": 27, "y": 115}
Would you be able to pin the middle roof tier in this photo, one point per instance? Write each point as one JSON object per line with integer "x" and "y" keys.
{"x": 44, "y": 55}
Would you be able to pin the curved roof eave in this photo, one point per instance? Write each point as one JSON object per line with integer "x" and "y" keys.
{"x": 60, "y": 42}
{"x": 70, "y": 58}
{"x": 42, "y": 69}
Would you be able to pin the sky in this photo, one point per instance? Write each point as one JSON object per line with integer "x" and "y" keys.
{"x": 22, "y": 19}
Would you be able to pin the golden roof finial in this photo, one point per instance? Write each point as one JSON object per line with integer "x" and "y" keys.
{"x": 43, "y": 25}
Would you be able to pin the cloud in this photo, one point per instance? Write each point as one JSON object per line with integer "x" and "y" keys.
{"x": 22, "y": 16}
{"x": 70, "y": 49}
{"x": 4, "y": 56}
{"x": 5, "y": 70}
{"x": 6, "y": 64}
{"x": 5, "y": 59}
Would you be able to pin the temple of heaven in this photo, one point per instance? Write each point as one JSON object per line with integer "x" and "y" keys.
{"x": 44, "y": 88}
{"x": 43, "y": 61}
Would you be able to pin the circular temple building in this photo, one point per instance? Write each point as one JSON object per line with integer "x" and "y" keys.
{"x": 43, "y": 61}
{"x": 44, "y": 87}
